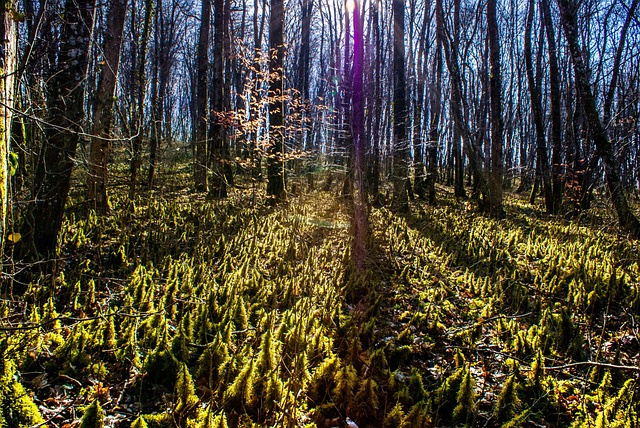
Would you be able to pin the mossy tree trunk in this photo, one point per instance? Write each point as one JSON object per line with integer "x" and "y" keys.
{"x": 66, "y": 118}
{"x": 7, "y": 66}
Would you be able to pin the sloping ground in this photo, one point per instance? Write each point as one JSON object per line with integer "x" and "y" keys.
{"x": 179, "y": 311}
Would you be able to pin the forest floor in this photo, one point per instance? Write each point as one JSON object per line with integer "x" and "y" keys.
{"x": 176, "y": 310}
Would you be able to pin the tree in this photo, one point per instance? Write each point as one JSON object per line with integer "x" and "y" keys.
{"x": 64, "y": 125}
{"x": 360, "y": 210}
{"x": 494, "y": 203}
{"x": 556, "y": 108}
{"x": 536, "y": 112}
{"x": 103, "y": 113}
{"x": 461, "y": 126}
{"x": 400, "y": 146}
{"x": 218, "y": 188}
{"x": 202, "y": 99}
{"x": 275, "y": 160}
{"x": 435, "y": 98}
{"x": 7, "y": 65}
{"x": 140, "y": 93}
{"x": 627, "y": 220}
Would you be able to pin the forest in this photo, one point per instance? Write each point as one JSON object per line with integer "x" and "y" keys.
{"x": 319, "y": 213}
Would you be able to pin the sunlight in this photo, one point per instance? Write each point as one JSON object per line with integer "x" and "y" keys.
{"x": 350, "y": 5}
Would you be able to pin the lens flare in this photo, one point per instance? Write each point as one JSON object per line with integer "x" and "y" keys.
{"x": 351, "y": 6}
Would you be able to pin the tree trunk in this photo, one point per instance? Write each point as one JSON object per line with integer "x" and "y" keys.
{"x": 494, "y": 206}
{"x": 373, "y": 171}
{"x": 536, "y": 111}
{"x": 66, "y": 117}
{"x": 218, "y": 188}
{"x": 160, "y": 110}
{"x": 435, "y": 98}
{"x": 627, "y": 220}
{"x": 140, "y": 84}
{"x": 400, "y": 146}
{"x": 275, "y": 160}
{"x": 7, "y": 66}
{"x": 556, "y": 110}
{"x": 103, "y": 114}
{"x": 458, "y": 160}
{"x": 360, "y": 222}
{"x": 202, "y": 100}
{"x": 473, "y": 152}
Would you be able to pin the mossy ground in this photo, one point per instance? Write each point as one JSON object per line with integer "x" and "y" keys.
{"x": 193, "y": 312}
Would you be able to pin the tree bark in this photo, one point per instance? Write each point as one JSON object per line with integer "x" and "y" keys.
{"x": 218, "y": 188}
{"x": 627, "y": 220}
{"x": 7, "y": 67}
{"x": 66, "y": 118}
{"x": 103, "y": 113}
{"x": 360, "y": 222}
{"x": 536, "y": 112}
{"x": 435, "y": 98}
{"x": 202, "y": 99}
{"x": 275, "y": 160}
{"x": 400, "y": 146}
{"x": 556, "y": 109}
{"x": 140, "y": 84}
{"x": 473, "y": 152}
{"x": 494, "y": 206}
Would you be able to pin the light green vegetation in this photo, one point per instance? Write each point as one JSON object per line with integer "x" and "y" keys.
{"x": 179, "y": 311}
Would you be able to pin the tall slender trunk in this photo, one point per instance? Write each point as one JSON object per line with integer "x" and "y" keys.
{"x": 471, "y": 149}
{"x": 360, "y": 211}
{"x": 217, "y": 159}
{"x": 435, "y": 98}
{"x": 275, "y": 161}
{"x": 494, "y": 207}
{"x": 556, "y": 109}
{"x": 140, "y": 84}
{"x": 66, "y": 118}
{"x": 160, "y": 113}
{"x": 374, "y": 160}
{"x": 7, "y": 66}
{"x": 458, "y": 159}
{"x": 627, "y": 220}
{"x": 615, "y": 72}
{"x": 400, "y": 146}
{"x": 202, "y": 99}
{"x": 536, "y": 110}
{"x": 103, "y": 113}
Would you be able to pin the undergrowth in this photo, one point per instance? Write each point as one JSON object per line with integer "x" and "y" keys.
{"x": 179, "y": 311}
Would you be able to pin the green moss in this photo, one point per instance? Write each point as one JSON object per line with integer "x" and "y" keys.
{"x": 17, "y": 409}
{"x": 93, "y": 416}
{"x": 465, "y": 399}
{"x": 161, "y": 420}
{"x": 139, "y": 423}
{"x": 187, "y": 401}
{"x": 508, "y": 402}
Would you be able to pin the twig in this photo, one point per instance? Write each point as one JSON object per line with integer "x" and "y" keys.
{"x": 593, "y": 363}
